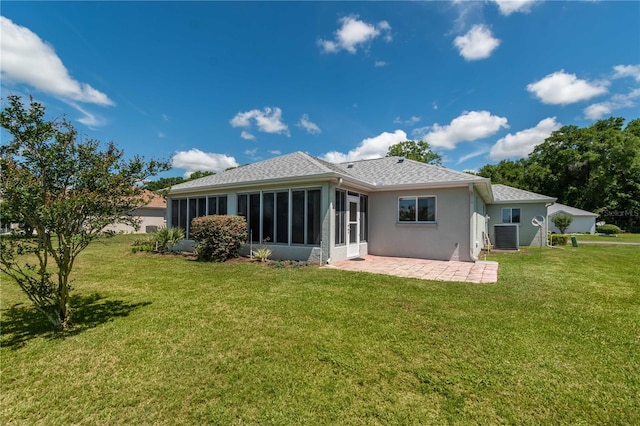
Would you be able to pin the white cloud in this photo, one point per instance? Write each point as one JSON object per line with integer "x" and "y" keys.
{"x": 379, "y": 64}
{"x": 165, "y": 117}
{"x": 194, "y": 160}
{"x": 561, "y": 88}
{"x": 27, "y": 59}
{"x": 268, "y": 120}
{"x": 311, "y": 127}
{"x": 355, "y": 33}
{"x": 627, "y": 71}
{"x": 522, "y": 143}
{"x": 251, "y": 152}
{"x": 477, "y": 43}
{"x": 376, "y": 147}
{"x": 474, "y": 154}
{"x": 246, "y": 135}
{"x": 620, "y": 101}
{"x": 467, "y": 127}
{"x": 507, "y": 7}
{"x": 161, "y": 135}
{"x": 274, "y": 152}
{"x": 411, "y": 121}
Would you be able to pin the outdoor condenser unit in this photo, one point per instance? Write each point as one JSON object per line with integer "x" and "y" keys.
{"x": 506, "y": 236}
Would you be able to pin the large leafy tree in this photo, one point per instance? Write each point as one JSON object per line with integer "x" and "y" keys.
{"x": 68, "y": 192}
{"x": 418, "y": 151}
{"x": 595, "y": 168}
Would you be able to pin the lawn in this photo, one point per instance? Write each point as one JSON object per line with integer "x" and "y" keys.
{"x": 166, "y": 340}
{"x": 627, "y": 238}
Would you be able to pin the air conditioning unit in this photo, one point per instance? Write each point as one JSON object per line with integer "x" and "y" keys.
{"x": 506, "y": 236}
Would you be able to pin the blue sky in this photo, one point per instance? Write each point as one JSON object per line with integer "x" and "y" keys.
{"x": 209, "y": 85}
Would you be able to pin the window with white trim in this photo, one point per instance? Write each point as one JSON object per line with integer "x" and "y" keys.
{"x": 417, "y": 209}
{"x": 511, "y": 215}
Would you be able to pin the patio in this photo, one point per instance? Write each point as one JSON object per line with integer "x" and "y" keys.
{"x": 478, "y": 272}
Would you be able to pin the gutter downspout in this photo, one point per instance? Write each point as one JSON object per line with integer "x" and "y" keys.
{"x": 472, "y": 225}
{"x": 546, "y": 222}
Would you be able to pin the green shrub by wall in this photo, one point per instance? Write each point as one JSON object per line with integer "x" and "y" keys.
{"x": 218, "y": 238}
{"x": 608, "y": 229}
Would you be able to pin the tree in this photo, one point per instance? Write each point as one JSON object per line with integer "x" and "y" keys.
{"x": 595, "y": 168}
{"x": 199, "y": 174}
{"x": 68, "y": 192}
{"x": 562, "y": 222}
{"x": 163, "y": 183}
{"x": 418, "y": 151}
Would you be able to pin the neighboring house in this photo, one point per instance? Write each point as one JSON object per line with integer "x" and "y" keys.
{"x": 151, "y": 215}
{"x": 583, "y": 221}
{"x": 305, "y": 208}
{"x": 510, "y": 217}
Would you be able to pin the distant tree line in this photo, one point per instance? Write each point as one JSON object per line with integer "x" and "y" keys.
{"x": 168, "y": 182}
{"x": 595, "y": 168}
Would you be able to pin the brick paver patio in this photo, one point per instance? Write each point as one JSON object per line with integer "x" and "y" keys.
{"x": 478, "y": 272}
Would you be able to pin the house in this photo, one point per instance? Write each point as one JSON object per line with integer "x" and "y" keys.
{"x": 583, "y": 221}
{"x": 151, "y": 215}
{"x": 305, "y": 208}
{"x": 511, "y": 215}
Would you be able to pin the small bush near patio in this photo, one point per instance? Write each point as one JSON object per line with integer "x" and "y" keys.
{"x": 608, "y": 229}
{"x": 218, "y": 237}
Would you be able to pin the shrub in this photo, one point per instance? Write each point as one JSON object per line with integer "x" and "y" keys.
{"x": 218, "y": 238}
{"x": 607, "y": 229}
{"x": 558, "y": 239}
{"x": 262, "y": 254}
{"x": 562, "y": 222}
{"x": 166, "y": 238}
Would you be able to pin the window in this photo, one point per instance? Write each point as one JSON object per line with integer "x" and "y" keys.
{"x": 416, "y": 209}
{"x": 217, "y": 205}
{"x": 278, "y": 216}
{"x": 364, "y": 212}
{"x": 184, "y": 210}
{"x": 282, "y": 215}
{"x": 511, "y": 215}
{"x": 341, "y": 214}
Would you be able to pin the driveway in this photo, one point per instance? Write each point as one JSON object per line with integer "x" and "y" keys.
{"x": 478, "y": 272}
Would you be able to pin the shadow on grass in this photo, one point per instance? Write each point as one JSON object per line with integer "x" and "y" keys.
{"x": 22, "y": 323}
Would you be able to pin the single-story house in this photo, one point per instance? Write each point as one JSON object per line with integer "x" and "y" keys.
{"x": 511, "y": 215}
{"x": 583, "y": 221}
{"x": 151, "y": 216}
{"x": 304, "y": 208}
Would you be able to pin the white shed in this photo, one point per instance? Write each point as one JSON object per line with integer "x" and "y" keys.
{"x": 583, "y": 221}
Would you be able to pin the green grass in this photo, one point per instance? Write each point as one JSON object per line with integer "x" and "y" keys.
{"x": 166, "y": 340}
{"x": 629, "y": 238}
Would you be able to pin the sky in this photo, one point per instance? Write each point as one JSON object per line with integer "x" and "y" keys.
{"x": 212, "y": 85}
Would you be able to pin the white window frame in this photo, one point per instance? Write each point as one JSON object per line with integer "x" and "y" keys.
{"x": 416, "y": 198}
{"x": 511, "y": 209}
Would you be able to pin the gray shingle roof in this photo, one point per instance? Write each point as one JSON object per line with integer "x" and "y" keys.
{"x": 381, "y": 172}
{"x": 557, "y": 207}
{"x": 504, "y": 193}
{"x": 392, "y": 171}
{"x": 295, "y": 165}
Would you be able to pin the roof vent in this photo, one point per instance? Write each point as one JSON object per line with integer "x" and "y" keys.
{"x": 400, "y": 160}
{"x": 350, "y": 166}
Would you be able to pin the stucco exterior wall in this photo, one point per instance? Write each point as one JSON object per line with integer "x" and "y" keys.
{"x": 149, "y": 217}
{"x": 529, "y": 234}
{"x": 446, "y": 239}
{"x": 479, "y": 223}
{"x": 579, "y": 224}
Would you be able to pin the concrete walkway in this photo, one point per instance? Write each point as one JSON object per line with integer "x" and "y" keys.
{"x": 479, "y": 272}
